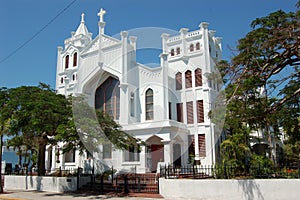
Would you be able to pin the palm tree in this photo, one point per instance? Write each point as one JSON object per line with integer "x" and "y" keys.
{"x": 17, "y": 143}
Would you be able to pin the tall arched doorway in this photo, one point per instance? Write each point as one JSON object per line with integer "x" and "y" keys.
{"x": 107, "y": 97}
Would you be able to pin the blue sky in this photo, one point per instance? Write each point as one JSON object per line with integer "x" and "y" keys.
{"x": 35, "y": 62}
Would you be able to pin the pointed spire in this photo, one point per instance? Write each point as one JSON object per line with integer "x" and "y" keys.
{"x": 82, "y": 29}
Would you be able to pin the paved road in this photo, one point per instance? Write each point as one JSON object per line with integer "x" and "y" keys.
{"x": 28, "y": 195}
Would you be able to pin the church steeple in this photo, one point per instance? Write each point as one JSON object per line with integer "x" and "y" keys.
{"x": 82, "y": 29}
{"x": 81, "y": 37}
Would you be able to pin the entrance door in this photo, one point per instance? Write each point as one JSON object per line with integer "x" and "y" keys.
{"x": 177, "y": 155}
{"x": 157, "y": 155}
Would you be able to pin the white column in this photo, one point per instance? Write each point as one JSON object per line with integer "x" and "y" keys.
{"x": 59, "y": 66}
{"x": 100, "y": 52}
{"x": 124, "y": 38}
{"x": 124, "y": 96}
{"x": 61, "y": 159}
{"x": 165, "y": 37}
{"x": 183, "y": 33}
{"x": 168, "y": 151}
{"x": 204, "y": 28}
{"x": 53, "y": 164}
{"x": 165, "y": 77}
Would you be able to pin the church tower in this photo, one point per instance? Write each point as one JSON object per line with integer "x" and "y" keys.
{"x": 68, "y": 58}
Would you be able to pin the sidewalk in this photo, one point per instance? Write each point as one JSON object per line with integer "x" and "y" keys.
{"x": 28, "y": 195}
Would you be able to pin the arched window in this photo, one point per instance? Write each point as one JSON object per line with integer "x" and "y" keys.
{"x": 67, "y": 62}
{"x": 132, "y": 105}
{"x": 61, "y": 80}
{"x": 73, "y": 77}
{"x": 188, "y": 79}
{"x": 107, "y": 97}
{"x": 198, "y": 77}
{"x": 178, "y": 81}
{"x": 172, "y": 52}
{"x": 149, "y": 104}
{"x": 191, "y": 47}
{"x": 75, "y": 59}
{"x": 177, "y": 51}
{"x": 197, "y": 46}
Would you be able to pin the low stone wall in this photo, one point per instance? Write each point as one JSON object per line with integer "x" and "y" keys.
{"x": 42, "y": 183}
{"x": 252, "y": 189}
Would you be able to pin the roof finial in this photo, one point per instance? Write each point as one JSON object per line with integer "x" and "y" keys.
{"x": 101, "y": 14}
{"x": 82, "y": 18}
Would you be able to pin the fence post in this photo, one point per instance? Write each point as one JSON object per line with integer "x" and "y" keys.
{"x": 102, "y": 184}
{"x": 78, "y": 178}
{"x": 126, "y": 184}
{"x": 60, "y": 171}
{"x": 168, "y": 171}
{"x": 112, "y": 174}
{"x": 193, "y": 171}
{"x": 139, "y": 184}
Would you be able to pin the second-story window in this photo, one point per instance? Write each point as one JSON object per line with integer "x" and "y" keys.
{"x": 189, "y": 112}
{"x": 177, "y": 51}
{"x": 179, "y": 110}
{"x": 191, "y": 47}
{"x": 198, "y": 77}
{"x": 172, "y": 52}
{"x": 149, "y": 104}
{"x": 178, "y": 81}
{"x": 188, "y": 79}
{"x": 132, "y": 104}
{"x": 197, "y": 46}
{"x": 67, "y": 62}
{"x": 200, "y": 111}
{"x": 75, "y": 59}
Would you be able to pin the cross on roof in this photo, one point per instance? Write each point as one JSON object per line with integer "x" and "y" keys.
{"x": 101, "y": 14}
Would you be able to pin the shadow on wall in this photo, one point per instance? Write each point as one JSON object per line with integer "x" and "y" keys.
{"x": 251, "y": 189}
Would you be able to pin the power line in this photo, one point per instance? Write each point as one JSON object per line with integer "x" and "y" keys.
{"x": 37, "y": 33}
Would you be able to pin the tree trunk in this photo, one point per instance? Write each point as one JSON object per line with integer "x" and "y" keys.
{"x": 41, "y": 159}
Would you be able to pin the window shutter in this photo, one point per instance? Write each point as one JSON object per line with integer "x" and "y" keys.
{"x": 189, "y": 112}
{"x": 202, "y": 146}
{"x": 200, "y": 111}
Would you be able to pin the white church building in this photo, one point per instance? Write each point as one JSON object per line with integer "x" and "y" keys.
{"x": 167, "y": 106}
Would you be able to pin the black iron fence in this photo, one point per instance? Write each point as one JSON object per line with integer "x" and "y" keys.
{"x": 229, "y": 171}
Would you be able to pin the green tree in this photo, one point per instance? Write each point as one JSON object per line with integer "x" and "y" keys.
{"x": 262, "y": 79}
{"x": 37, "y": 112}
{"x": 4, "y": 124}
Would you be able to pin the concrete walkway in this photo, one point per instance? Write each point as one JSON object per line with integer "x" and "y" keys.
{"x": 28, "y": 195}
